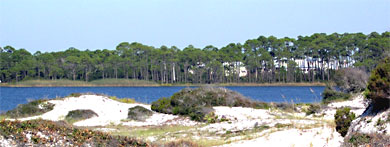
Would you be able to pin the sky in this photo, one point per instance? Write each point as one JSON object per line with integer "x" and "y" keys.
{"x": 53, "y": 25}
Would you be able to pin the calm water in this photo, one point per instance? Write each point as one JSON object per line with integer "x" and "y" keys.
{"x": 10, "y": 97}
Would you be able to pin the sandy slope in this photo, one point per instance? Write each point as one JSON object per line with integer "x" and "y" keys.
{"x": 323, "y": 136}
{"x": 110, "y": 112}
{"x": 317, "y": 136}
{"x": 306, "y": 131}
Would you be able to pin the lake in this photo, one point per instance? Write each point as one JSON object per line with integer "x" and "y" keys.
{"x": 10, "y": 97}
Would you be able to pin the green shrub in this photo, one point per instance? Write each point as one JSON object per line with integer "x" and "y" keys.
{"x": 197, "y": 103}
{"x": 162, "y": 105}
{"x": 378, "y": 89}
{"x": 75, "y": 95}
{"x": 330, "y": 95}
{"x": 60, "y": 134}
{"x": 343, "y": 119}
{"x": 139, "y": 113}
{"x": 78, "y": 115}
{"x": 359, "y": 139}
{"x": 36, "y": 107}
{"x": 313, "y": 108}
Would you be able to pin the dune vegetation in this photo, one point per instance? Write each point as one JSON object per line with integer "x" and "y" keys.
{"x": 35, "y": 107}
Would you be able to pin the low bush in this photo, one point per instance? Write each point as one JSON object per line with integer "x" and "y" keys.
{"x": 122, "y": 100}
{"x": 312, "y": 109}
{"x": 288, "y": 107}
{"x": 139, "y": 113}
{"x": 78, "y": 115}
{"x": 162, "y": 105}
{"x": 378, "y": 89}
{"x": 36, "y": 107}
{"x": 343, "y": 119}
{"x": 197, "y": 103}
{"x": 359, "y": 139}
{"x": 330, "y": 95}
{"x": 75, "y": 95}
{"x": 372, "y": 139}
{"x": 49, "y": 133}
{"x": 181, "y": 143}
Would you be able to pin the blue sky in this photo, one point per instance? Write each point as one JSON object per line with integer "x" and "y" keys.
{"x": 51, "y": 25}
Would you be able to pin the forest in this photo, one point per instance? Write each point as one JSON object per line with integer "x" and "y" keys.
{"x": 265, "y": 60}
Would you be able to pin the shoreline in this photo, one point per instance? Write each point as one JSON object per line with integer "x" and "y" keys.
{"x": 167, "y": 85}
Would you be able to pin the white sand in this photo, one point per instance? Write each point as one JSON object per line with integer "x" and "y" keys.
{"x": 369, "y": 124}
{"x": 319, "y": 136}
{"x": 357, "y": 104}
{"x": 295, "y": 137}
{"x": 110, "y": 112}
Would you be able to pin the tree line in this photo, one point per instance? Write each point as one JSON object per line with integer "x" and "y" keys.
{"x": 266, "y": 59}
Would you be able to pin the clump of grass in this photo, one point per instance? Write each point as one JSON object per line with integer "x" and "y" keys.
{"x": 284, "y": 107}
{"x": 359, "y": 139}
{"x": 78, "y": 115}
{"x": 212, "y": 118}
{"x": 181, "y": 143}
{"x": 331, "y": 95}
{"x": 33, "y": 108}
{"x": 123, "y": 100}
{"x": 139, "y": 113}
{"x": 362, "y": 139}
{"x": 312, "y": 109}
{"x": 75, "y": 95}
{"x": 279, "y": 125}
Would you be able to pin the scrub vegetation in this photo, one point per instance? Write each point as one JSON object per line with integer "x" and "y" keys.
{"x": 197, "y": 103}
{"x": 78, "y": 115}
{"x": 35, "y": 107}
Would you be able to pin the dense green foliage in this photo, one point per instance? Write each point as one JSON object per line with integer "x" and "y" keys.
{"x": 32, "y": 108}
{"x": 343, "y": 119}
{"x": 378, "y": 89}
{"x": 50, "y": 134}
{"x": 139, "y": 113}
{"x": 197, "y": 103}
{"x": 267, "y": 59}
{"x": 330, "y": 95}
{"x": 162, "y": 105}
{"x": 78, "y": 115}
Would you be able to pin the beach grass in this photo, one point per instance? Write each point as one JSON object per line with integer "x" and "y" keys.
{"x": 169, "y": 134}
{"x": 122, "y": 100}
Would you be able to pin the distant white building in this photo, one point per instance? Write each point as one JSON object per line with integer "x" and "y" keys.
{"x": 312, "y": 63}
{"x": 235, "y": 67}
